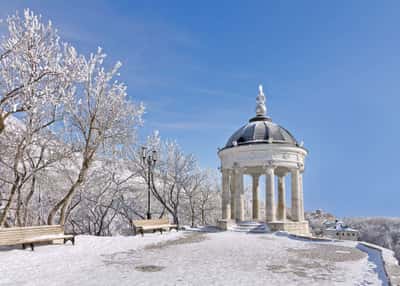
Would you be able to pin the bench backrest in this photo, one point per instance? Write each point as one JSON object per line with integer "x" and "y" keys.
{"x": 16, "y": 235}
{"x": 150, "y": 222}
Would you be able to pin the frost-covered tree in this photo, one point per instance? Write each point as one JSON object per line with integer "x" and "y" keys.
{"x": 68, "y": 150}
{"x": 98, "y": 120}
{"x": 209, "y": 199}
{"x": 36, "y": 69}
{"x": 37, "y": 75}
{"x": 174, "y": 171}
{"x": 30, "y": 149}
{"x": 193, "y": 195}
{"x": 98, "y": 208}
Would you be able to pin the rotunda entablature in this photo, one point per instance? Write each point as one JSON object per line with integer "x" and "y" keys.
{"x": 262, "y": 155}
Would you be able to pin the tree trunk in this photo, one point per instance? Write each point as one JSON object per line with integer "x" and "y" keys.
{"x": 193, "y": 221}
{"x": 176, "y": 220}
{"x": 18, "y": 211}
{"x": 192, "y": 214}
{"x": 16, "y": 183}
{"x": 2, "y": 124}
{"x": 3, "y": 215}
{"x": 28, "y": 199}
{"x": 64, "y": 203}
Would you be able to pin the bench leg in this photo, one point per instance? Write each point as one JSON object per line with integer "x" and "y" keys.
{"x": 142, "y": 232}
{"x": 161, "y": 230}
{"x": 32, "y": 247}
{"x": 23, "y": 246}
{"x": 70, "y": 239}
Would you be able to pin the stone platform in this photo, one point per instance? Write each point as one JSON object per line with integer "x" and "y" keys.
{"x": 295, "y": 227}
{"x": 300, "y": 227}
{"x": 225, "y": 224}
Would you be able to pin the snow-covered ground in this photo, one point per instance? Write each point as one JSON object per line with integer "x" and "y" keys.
{"x": 191, "y": 258}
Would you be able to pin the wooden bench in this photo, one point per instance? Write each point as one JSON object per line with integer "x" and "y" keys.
{"x": 32, "y": 235}
{"x": 152, "y": 224}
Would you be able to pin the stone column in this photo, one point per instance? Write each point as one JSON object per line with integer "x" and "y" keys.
{"x": 256, "y": 212}
{"x": 281, "y": 198}
{"x": 301, "y": 217}
{"x": 226, "y": 209}
{"x": 239, "y": 193}
{"x": 233, "y": 194}
{"x": 296, "y": 209}
{"x": 270, "y": 195}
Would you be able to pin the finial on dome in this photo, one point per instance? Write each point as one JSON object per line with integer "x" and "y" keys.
{"x": 261, "y": 109}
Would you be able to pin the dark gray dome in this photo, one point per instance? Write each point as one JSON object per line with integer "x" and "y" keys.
{"x": 261, "y": 129}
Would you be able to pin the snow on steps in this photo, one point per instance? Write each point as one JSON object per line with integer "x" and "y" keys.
{"x": 250, "y": 227}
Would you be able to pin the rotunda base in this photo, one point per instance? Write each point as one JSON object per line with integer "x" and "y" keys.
{"x": 225, "y": 224}
{"x": 295, "y": 227}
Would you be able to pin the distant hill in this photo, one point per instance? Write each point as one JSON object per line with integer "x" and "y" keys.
{"x": 383, "y": 231}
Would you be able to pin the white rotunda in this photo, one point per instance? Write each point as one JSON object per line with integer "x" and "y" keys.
{"x": 262, "y": 147}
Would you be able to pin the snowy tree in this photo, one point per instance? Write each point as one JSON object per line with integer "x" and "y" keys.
{"x": 174, "y": 171}
{"x": 36, "y": 69}
{"x": 31, "y": 149}
{"x": 209, "y": 199}
{"x": 68, "y": 146}
{"x": 98, "y": 120}
{"x": 97, "y": 208}
{"x": 192, "y": 193}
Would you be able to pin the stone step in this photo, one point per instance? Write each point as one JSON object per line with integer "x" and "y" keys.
{"x": 253, "y": 227}
{"x": 250, "y": 223}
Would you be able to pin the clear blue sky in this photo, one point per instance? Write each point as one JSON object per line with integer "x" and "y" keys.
{"x": 330, "y": 69}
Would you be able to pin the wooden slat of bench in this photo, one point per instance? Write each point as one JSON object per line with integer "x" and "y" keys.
{"x": 49, "y": 238}
{"x": 21, "y": 235}
{"x": 150, "y": 222}
{"x": 155, "y": 226}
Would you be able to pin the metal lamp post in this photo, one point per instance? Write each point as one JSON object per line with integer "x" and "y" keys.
{"x": 149, "y": 159}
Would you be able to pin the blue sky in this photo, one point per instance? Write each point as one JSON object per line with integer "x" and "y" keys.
{"x": 330, "y": 71}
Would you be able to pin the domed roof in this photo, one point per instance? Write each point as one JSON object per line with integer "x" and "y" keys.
{"x": 261, "y": 129}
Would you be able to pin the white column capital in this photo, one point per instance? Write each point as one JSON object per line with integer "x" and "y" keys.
{"x": 269, "y": 169}
{"x": 295, "y": 171}
{"x": 300, "y": 167}
{"x": 238, "y": 170}
{"x": 225, "y": 171}
{"x": 281, "y": 174}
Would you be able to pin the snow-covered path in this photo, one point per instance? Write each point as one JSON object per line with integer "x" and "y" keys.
{"x": 225, "y": 258}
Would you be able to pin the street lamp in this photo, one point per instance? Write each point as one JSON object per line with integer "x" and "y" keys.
{"x": 149, "y": 159}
